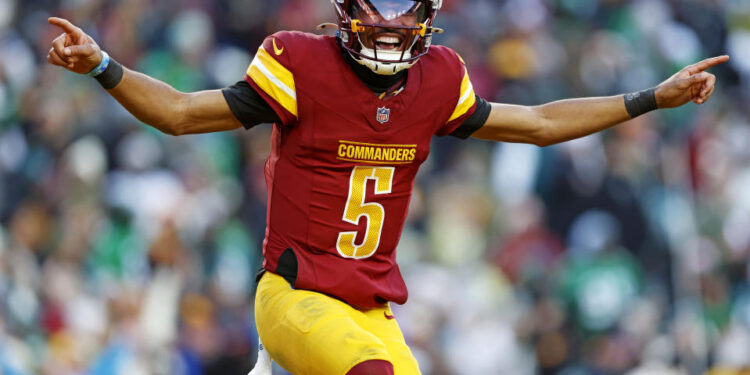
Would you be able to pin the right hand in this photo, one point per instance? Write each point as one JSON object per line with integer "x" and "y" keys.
{"x": 690, "y": 83}
{"x": 73, "y": 49}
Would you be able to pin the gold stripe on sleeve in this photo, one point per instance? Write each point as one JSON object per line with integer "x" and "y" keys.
{"x": 466, "y": 100}
{"x": 274, "y": 79}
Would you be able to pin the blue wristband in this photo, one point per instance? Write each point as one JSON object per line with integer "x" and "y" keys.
{"x": 102, "y": 66}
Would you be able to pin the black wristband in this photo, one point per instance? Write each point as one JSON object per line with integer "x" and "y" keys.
{"x": 112, "y": 76}
{"x": 638, "y": 103}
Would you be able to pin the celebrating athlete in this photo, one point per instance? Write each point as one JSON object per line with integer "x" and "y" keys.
{"x": 353, "y": 118}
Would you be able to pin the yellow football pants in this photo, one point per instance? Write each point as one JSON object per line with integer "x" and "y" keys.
{"x": 309, "y": 333}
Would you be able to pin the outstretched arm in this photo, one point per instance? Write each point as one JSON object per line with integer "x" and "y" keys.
{"x": 564, "y": 120}
{"x": 150, "y": 100}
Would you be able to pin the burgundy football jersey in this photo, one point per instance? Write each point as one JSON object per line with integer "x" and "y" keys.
{"x": 343, "y": 161}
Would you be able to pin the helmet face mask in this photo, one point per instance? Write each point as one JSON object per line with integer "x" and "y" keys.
{"x": 387, "y": 36}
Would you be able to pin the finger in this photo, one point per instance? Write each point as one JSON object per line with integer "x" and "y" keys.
{"x": 704, "y": 97}
{"x": 79, "y": 51}
{"x": 55, "y": 59}
{"x": 698, "y": 78}
{"x": 65, "y": 25}
{"x": 59, "y": 46}
{"x": 707, "y": 63}
{"x": 710, "y": 82}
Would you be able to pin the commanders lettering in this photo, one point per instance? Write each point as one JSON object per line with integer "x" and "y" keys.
{"x": 377, "y": 153}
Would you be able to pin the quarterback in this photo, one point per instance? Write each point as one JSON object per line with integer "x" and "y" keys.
{"x": 353, "y": 116}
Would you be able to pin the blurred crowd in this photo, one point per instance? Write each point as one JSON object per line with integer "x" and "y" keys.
{"x": 125, "y": 251}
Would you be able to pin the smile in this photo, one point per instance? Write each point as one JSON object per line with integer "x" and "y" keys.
{"x": 387, "y": 42}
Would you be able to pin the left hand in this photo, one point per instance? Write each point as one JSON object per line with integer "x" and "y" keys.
{"x": 73, "y": 49}
{"x": 690, "y": 83}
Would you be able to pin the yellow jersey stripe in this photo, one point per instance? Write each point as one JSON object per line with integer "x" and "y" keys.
{"x": 375, "y": 162}
{"x": 274, "y": 79}
{"x": 467, "y": 99}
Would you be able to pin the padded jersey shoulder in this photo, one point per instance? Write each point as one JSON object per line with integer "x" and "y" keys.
{"x": 445, "y": 63}
{"x": 292, "y": 48}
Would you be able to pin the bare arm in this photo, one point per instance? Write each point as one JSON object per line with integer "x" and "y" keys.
{"x": 171, "y": 111}
{"x": 568, "y": 119}
{"x": 150, "y": 100}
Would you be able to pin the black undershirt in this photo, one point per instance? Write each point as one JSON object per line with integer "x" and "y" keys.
{"x": 251, "y": 109}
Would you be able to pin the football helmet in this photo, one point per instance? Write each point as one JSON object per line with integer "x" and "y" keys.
{"x": 386, "y": 36}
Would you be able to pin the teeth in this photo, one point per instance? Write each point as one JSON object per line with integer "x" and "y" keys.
{"x": 388, "y": 39}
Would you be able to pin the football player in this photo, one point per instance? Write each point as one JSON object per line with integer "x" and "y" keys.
{"x": 353, "y": 119}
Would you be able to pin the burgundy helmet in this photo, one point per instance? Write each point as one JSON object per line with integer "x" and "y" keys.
{"x": 386, "y": 36}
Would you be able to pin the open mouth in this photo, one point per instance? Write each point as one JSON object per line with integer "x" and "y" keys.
{"x": 388, "y": 42}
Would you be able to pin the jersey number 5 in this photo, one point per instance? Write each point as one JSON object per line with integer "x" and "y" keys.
{"x": 356, "y": 207}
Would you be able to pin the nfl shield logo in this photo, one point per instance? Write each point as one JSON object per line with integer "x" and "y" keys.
{"x": 384, "y": 114}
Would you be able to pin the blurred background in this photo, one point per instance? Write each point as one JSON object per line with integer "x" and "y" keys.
{"x": 125, "y": 251}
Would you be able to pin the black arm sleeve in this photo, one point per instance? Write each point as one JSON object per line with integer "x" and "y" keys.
{"x": 248, "y": 106}
{"x": 475, "y": 121}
